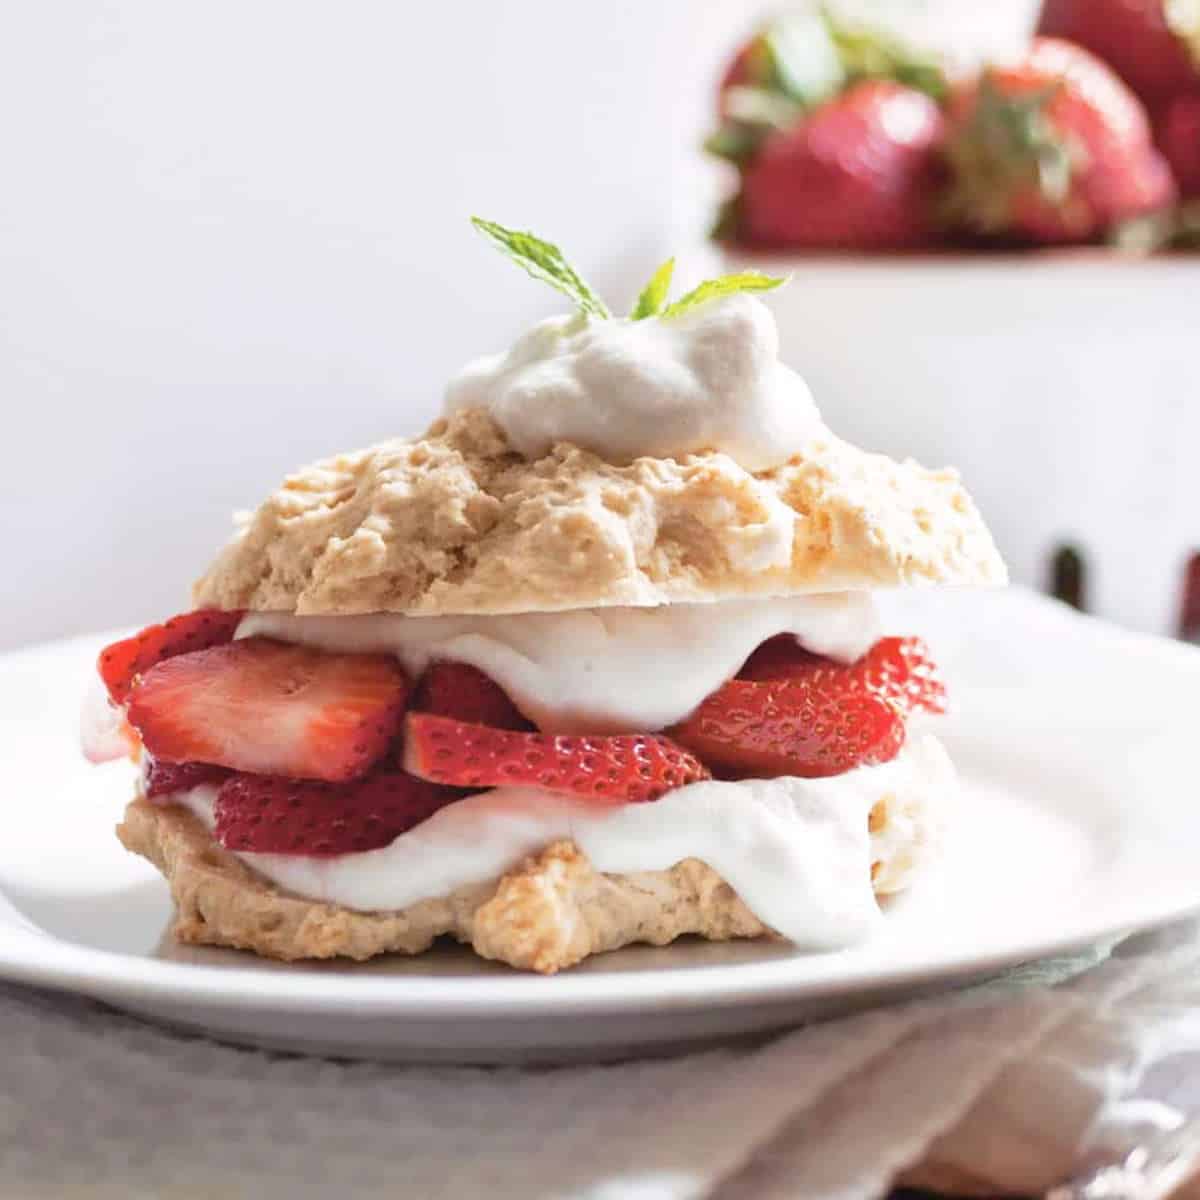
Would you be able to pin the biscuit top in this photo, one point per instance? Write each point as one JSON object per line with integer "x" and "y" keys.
{"x": 659, "y": 458}
{"x": 458, "y": 521}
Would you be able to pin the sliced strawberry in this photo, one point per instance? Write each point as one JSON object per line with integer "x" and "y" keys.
{"x": 451, "y": 689}
{"x": 123, "y": 661}
{"x": 780, "y": 658}
{"x": 165, "y": 779}
{"x": 625, "y": 769}
{"x": 900, "y": 669}
{"x": 821, "y": 724}
{"x": 275, "y": 709}
{"x": 270, "y": 815}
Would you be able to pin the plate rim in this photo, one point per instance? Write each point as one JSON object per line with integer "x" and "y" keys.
{"x": 105, "y": 974}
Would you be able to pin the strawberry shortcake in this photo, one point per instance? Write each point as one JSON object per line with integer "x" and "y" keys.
{"x": 595, "y": 661}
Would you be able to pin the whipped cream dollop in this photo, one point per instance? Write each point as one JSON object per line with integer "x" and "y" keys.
{"x": 709, "y": 379}
{"x": 601, "y": 670}
{"x": 797, "y": 851}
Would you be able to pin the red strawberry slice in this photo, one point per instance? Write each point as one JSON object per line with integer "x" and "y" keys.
{"x": 780, "y": 658}
{"x": 123, "y": 661}
{"x": 821, "y": 724}
{"x": 270, "y": 815}
{"x": 451, "y": 689}
{"x": 271, "y": 708}
{"x": 625, "y": 769}
{"x": 899, "y": 669}
{"x": 902, "y": 669}
{"x": 165, "y": 779}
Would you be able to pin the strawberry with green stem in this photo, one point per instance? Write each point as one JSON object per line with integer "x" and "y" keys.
{"x": 833, "y": 129}
{"x": 1051, "y": 148}
{"x": 861, "y": 172}
{"x": 797, "y": 63}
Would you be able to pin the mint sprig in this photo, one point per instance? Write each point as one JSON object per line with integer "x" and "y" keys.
{"x": 725, "y": 285}
{"x": 543, "y": 260}
{"x": 654, "y": 294}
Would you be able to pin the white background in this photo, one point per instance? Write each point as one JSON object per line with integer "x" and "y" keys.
{"x": 233, "y": 237}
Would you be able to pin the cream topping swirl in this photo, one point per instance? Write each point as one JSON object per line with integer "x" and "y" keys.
{"x": 709, "y": 379}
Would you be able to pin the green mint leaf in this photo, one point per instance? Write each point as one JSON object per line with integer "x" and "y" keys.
{"x": 727, "y": 285}
{"x": 654, "y": 294}
{"x": 543, "y": 261}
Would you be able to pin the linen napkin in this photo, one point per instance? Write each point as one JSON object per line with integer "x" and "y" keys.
{"x": 1006, "y": 1087}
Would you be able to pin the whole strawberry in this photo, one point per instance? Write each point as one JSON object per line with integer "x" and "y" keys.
{"x": 1178, "y": 131}
{"x": 1051, "y": 148}
{"x": 1151, "y": 44}
{"x": 859, "y": 173}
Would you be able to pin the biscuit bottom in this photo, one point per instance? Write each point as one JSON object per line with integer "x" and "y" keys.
{"x": 551, "y": 912}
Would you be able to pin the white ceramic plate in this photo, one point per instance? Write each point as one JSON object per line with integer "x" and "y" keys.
{"x": 1079, "y": 819}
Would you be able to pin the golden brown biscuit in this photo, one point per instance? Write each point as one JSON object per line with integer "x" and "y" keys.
{"x": 551, "y": 912}
{"x": 456, "y": 522}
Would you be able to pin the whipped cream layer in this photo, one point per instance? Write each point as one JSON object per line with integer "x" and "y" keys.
{"x": 707, "y": 380}
{"x": 797, "y": 851}
{"x": 604, "y": 670}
